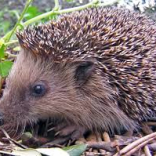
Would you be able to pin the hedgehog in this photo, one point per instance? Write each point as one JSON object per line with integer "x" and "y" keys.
{"x": 93, "y": 70}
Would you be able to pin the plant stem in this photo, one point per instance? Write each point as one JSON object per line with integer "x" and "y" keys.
{"x": 60, "y": 12}
{"x": 11, "y": 42}
{"x": 11, "y": 55}
{"x": 55, "y": 11}
{"x": 9, "y": 35}
{"x": 57, "y": 6}
{"x": 91, "y": 4}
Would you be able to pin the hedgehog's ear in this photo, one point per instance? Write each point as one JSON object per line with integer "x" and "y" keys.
{"x": 83, "y": 71}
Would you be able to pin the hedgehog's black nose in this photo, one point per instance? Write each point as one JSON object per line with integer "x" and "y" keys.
{"x": 1, "y": 118}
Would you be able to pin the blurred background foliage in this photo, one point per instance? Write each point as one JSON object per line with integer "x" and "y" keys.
{"x": 10, "y": 10}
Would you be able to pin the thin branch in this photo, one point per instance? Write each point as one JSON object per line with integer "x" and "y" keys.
{"x": 53, "y": 12}
{"x": 11, "y": 42}
{"x": 57, "y": 5}
{"x": 138, "y": 143}
{"x": 9, "y": 35}
{"x": 147, "y": 151}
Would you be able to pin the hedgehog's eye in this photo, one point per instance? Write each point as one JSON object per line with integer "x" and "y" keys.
{"x": 38, "y": 90}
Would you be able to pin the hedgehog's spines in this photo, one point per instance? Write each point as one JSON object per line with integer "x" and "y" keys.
{"x": 117, "y": 39}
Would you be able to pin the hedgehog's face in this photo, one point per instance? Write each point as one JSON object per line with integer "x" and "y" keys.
{"x": 37, "y": 88}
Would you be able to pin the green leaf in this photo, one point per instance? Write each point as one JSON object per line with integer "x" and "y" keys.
{"x": 31, "y": 12}
{"x": 2, "y": 48}
{"x": 26, "y": 152}
{"x": 76, "y": 150}
{"x": 52, "y": 151}
{"x": 5, "y": 67}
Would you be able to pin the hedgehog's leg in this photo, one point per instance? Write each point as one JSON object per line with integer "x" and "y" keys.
{"x": 73, "y": 131}
{"x": 66, "y": 134}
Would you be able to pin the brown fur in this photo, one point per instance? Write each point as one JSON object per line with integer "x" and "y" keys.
{"x": 117, "y": 48}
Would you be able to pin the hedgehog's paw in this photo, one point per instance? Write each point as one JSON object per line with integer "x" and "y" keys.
{"x": 72, "y": 132}
{"x": 66, "y": 135}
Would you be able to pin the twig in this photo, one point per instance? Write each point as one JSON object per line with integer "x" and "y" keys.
{"x": 138, "y": 147}
{"x": 140, "y": 142}
{"x": 16, "y": 143}
{"x": 108, "y": 146}
{"x": 147, "y": 151}
{"x": 5, "y": 133}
